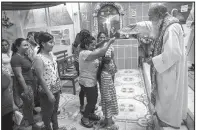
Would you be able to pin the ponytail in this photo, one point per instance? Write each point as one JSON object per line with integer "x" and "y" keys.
{"x": 42, "y": 37}
{"x": 39, "y": 48}
{"x": 14, "y": 49}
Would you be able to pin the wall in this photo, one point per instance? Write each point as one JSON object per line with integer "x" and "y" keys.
{"x": 86, "y": 10}
{"x": 126, "y": 50}
{"x": 44, "y": 19}
{"x": 126, "y": 53}
{"x": 73, "y": 10}
{"x": 178, "y": 6}
{"x": 71, "y": 37}
{"x": 14, "y": 31}
{"x": 130, "y": 8}
{"x": 136, "y": 12}
{"x": 133, "y": 12}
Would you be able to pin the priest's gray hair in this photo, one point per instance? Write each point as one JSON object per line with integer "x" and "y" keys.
{"x": 158, "y": 9}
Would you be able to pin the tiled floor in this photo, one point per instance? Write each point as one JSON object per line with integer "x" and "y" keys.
{"x": 191, "y": 89}
{"x": 132, "y": 100}
{"x": 182, "y": 128}
{"x": 191, "y": 100}
{"x": 190, "y": 92}
{"x": 191, "y": 79}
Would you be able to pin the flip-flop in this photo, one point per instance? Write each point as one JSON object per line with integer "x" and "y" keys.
{"x": 94, "y": 117}
{"x": 87, "y": 124}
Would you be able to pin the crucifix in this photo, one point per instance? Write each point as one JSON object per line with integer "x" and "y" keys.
{"x": 108, "y": 22}
{"x": 108, "y": 19}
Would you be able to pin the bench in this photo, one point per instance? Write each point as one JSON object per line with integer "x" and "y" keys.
{"x": 66, "y": 69}
{"x": 61, "y": 54}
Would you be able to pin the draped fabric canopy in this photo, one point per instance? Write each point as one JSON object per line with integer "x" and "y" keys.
{"x": 27, "y": 5}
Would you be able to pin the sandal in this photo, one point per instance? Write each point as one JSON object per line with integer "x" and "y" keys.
{"x": 87, "y": 123}
{"x": 94, "y": 117}
{"x": 102, "y": 124}
{"x": 112, "y": 127}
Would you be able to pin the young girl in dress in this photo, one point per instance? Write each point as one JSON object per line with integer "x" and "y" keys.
{"x": 108, "y": 93}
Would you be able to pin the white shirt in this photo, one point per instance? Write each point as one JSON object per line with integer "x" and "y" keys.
{"x": 6, "y": 58}
{"x": 87, "y": 69}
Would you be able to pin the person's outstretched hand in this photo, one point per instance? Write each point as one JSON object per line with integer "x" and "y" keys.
{"x": 111, "y": 40}
{"x": 51, "y": 98}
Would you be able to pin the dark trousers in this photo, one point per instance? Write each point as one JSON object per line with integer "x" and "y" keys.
{"x": 36, "y": 95}
{"x": 49, "y": 110}
{"x": 81, "y": 93}
{"x": 81, "y": 96}
{"x": 91, "y": 95}
{"x": 7, "y": 122}
{"x": 36, "y": 91}
{"x": 76, "y": 64}
{"x": 28, "y": 104}
{"x": 17, "y": 100}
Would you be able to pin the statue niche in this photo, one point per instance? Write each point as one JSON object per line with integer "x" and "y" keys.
{"x": 109, "y": 20}
{"x": 108, "y": 17}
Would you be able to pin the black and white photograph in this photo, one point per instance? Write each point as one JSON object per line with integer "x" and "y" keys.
{"x": 97, "y": 65}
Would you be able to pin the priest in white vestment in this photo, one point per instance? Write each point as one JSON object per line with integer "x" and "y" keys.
{"x": 170, "y": 65}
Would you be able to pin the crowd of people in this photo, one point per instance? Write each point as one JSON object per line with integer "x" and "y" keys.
{"x": 95, "y": 64}
{"x": 33, "y": 67}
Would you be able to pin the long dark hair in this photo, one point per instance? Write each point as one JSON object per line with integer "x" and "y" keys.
{"x": 101, "y": 65}
{"x": 79, "y": 37}
{"x": 16, "y": 44}
{"x": 84, "y": 31}
{"x": 77, "y": 40}
{"x": 43, "y": 37}
{"x": 86, "y": 39}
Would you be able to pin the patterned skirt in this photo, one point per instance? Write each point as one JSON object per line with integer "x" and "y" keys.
{"x": 108, "y": 95}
